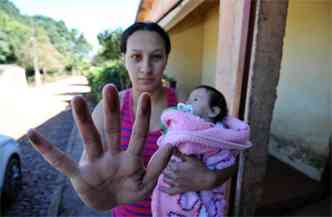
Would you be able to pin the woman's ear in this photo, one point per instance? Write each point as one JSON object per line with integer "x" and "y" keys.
{"x": 214, "y": 112}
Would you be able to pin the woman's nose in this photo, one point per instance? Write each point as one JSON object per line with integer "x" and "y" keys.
{"x": 146, "y": 66}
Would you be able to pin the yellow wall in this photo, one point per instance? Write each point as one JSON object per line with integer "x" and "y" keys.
{"x": 302, "y": 114}
{"x": 330, "y": 70}
{"x": 194, "y": 48}
{"x": 185, "y": 63}
{"x": 210, "y": 44}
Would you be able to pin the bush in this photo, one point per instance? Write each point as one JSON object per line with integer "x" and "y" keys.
{"x": 115, "y": 73}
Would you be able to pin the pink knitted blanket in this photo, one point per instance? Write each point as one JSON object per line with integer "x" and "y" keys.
{"x": 215, "y": 144}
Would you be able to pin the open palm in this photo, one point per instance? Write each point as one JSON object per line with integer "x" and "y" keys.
{"x": 106, "y": 176}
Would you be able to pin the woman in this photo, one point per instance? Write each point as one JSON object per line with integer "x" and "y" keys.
{"x": 109, "y": 175}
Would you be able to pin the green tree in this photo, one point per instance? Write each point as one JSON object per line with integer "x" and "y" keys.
{"x": 10, "y": 9}
{"x": 56, "y": 45}
{"x": 110, "y": 42}
{"x": 82, "y": 46}
{"x": 115, "y": 73}
{"x": 49, "y": 58}
{"x": 13, "y": 33}
{"x": 67, "y": 41}
{"x": 6, "y": 50}
{"x": 110, "y": 67}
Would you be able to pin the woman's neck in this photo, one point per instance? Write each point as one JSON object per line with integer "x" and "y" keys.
{"x": 156, "y": 96}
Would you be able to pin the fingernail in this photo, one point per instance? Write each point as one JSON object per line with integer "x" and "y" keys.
{"x": 37, "y": 142}
{"x": 111, "y": 98}
{"x": 146, "y": 107}
{"x": 80, "y": 108}
{"x": 33, "y": 137}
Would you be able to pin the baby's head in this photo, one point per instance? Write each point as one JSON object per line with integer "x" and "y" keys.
{"x": 208, "y": 103}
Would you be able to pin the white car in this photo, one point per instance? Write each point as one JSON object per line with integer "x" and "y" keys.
{"x": 10, "y": 171}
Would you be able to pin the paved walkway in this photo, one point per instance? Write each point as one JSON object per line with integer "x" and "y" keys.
{"x": 69, "y": 204}
{"x": 39, "y": 179}
{"x": 47, "y": 109}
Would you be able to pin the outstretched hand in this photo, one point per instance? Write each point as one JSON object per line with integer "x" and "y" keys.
{"x": 106, "y": 176}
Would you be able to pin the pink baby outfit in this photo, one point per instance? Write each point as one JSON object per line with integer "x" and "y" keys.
{"x": 215, "y": 144}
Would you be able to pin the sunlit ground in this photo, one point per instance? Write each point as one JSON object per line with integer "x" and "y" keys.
{"x": 22, "y": 108}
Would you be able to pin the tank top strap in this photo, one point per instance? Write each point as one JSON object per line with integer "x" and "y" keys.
{"x": 128, "y": 102}
{"x": 125, "y": 107}
{"x": 171, "y": 97}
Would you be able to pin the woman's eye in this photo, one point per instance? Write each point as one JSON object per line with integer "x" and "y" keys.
{"x": 156, "y": 57}
{"x": 136, "y": 57}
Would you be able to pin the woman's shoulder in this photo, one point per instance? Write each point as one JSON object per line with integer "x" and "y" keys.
{"x": 98, "y": 113}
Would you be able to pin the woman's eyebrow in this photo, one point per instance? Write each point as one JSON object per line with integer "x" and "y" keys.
{"x": 157, "y": 50}
{"x": 136, "y": 50}
{"x": 154, "y": 51}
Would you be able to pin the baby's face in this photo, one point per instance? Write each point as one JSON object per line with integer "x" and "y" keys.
{"x": 199, "y": 99}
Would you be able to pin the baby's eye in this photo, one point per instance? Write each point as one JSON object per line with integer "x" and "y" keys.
{"x": 195, "y": 99}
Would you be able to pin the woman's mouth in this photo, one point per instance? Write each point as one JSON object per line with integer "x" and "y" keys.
{"x": 146, "y": 80}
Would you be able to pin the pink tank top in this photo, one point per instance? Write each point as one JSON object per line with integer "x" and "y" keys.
{"x": 140, "y": 208}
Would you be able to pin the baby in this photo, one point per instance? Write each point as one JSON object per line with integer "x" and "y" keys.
{"x": 201, "y": 128}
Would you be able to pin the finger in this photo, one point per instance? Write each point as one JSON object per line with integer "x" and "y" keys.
{"x": 169, "y": 182}
{"x": 112, "y": 118}
{"x": 171, "y": 190}
{"x": 138, "y": 176}
{"x": 169, "y": 174}
{"x": 88, "y": 131}
{"x": 171, "y": 162}
{"x": 174, "y": 167}
{"x": 141, "y": 125}
{"x": 53, "y": 155}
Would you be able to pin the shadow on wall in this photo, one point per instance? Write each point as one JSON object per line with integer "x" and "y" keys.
{"x": 299, "y": 155}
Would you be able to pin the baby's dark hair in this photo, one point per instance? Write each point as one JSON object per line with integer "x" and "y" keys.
{"x": 145, "y": 26}
{"x": 216, "y": 99}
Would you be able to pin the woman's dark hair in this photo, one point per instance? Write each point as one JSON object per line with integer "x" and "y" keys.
{"x": 216, "y": 99}
{"x": 145, "y": 26}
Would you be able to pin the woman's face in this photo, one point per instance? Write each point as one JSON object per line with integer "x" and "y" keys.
{"x": 145, "y": 60}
